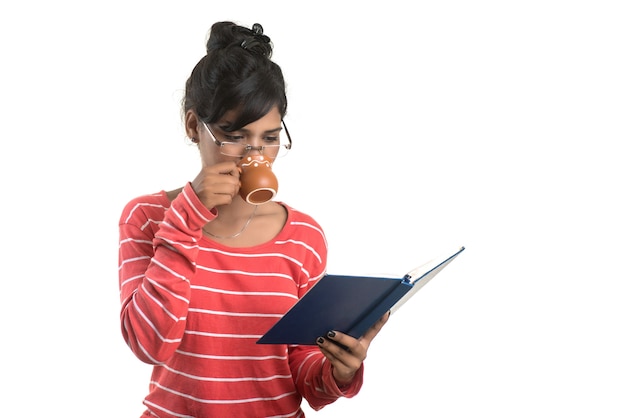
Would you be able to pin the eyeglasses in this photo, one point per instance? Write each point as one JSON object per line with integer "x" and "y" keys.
{"x": 239, "y": 149}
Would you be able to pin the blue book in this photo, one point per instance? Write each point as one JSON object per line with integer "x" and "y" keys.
{"x": 350, "y": 304}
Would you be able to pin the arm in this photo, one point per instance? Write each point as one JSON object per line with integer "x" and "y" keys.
{"x": 154, "y": 276}
{"x": 313, "y": 376}
{"x": 313, "y": 371}
{"x": 333, "y": 370}
{"x": 346, "y": 354}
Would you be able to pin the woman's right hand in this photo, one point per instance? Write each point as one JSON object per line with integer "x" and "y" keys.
{"x": 217, "y": 185}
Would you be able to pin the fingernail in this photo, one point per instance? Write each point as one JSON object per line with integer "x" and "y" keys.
{"x": 331, "y": 334}
{"x": 320, "y": 340}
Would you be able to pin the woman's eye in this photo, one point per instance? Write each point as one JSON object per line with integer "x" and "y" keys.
{"x": 272, "y": 138}
{"x": 234, "y": 138}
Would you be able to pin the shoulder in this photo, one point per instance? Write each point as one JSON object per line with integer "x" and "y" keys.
{"x": 298, "y": 220}
{"x": 304, "y": 238}
{"x": 145, "y": 207}
{"x": 301, "y": 229}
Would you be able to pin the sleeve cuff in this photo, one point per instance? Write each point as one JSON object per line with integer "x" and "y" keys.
{"x": 200, "y": 212}
{"x": 349, "y": 390}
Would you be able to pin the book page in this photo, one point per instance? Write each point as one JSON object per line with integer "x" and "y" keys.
{"x": 424, "y": 273}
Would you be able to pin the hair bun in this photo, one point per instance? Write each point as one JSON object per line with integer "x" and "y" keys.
{"x": 228, "y": 34}
{"x": 257, "y": 42}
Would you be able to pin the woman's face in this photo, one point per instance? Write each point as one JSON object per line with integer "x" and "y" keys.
{"x": 263, "y": 131}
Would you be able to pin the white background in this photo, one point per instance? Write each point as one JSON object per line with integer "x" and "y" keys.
{"x": 490, "y": 124}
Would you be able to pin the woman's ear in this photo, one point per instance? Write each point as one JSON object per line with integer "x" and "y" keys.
{"x": 192, "y": 125}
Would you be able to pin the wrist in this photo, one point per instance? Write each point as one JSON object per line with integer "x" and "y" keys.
{"x": 342, "y": 381}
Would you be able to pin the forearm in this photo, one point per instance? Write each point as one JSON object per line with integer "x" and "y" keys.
{"x": 154, "y": 281}
{"x": 313, "y": 376}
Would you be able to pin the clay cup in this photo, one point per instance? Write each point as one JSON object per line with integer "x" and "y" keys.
{"x": 258, "y": 182}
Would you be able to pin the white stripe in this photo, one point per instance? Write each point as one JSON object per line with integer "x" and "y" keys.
{"x": 132, "y": 260}
{"x": 176, "y": 229}
{"x": 256, "y": 255}
{"x": 308, "y": 247}
{"x": 137, "y": 206}
{"x": 226, "y": 379}
{"x": 246, "y": 273}
{"x": 179, "y": 216}
{"x": 214, "y": 334}
{"x": 308, "y": 225}
{"x": 306, "y": 359}
{"x": 230, "y": 292}
{"x": 131, "y": 279}
{"x": 145, "y": 352}
{"x": 235, "y": 358}
{"x": 151, "y": 325}
{"x": 160, "y": 286}
{"x": 221, "y": 401}
{"x": 194, "y": 207}
{"x": 238, "y": 314}
{"x": 158, "y": 302}
{"x": 138, "y": 241}
{"x": 169, "y": 270}
{"x": 160, "y": 408}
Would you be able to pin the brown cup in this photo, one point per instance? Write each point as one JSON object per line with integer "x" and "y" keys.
{"x": 258, "y": 183}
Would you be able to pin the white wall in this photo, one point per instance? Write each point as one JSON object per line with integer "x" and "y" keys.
{"x": 494, "y": 125}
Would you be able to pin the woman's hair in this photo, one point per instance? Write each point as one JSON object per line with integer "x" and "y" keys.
{"x": 236, "y": 73}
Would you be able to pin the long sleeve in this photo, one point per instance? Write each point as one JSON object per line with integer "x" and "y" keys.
{"x": 311, "y": 371}
{"x": 157, "y": 258}
{"x": 313, "y": 376}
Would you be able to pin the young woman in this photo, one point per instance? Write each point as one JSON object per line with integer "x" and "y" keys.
{"x": 203, "y": 274}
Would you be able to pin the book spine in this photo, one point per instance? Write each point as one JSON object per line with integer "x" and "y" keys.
{"x": 375, "y": 314}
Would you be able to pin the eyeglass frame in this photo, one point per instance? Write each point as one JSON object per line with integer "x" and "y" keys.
{"x": 260, "y": 148}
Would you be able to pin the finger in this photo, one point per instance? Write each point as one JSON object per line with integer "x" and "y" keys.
{"x": 343, "y": 346}
{"x": 342, "y": 340}
{"x": 228, "y": 167}
{"x": 215, "y": 189}
{"x": 340, "y": 357}
{"x": 375, "y": 329}
{"x": 344, "y": 363}
{"x": 224, "y": 189}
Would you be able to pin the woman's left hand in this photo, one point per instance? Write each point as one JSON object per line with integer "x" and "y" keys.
{"x": 346, "y": 353}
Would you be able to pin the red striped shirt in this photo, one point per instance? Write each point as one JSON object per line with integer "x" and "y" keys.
{"x": 194, "y": 309}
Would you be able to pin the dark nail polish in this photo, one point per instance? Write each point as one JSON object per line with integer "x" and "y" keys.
{"x": 320, "y": 340}
{"x": 331, "y": 334}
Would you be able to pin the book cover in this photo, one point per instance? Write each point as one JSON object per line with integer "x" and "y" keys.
{"x": 350, "y": 304}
